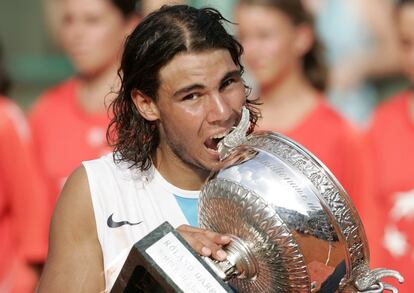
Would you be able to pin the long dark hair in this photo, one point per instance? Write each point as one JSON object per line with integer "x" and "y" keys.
{"x": 314, "y": 65}
{"x": 154, "y": 42}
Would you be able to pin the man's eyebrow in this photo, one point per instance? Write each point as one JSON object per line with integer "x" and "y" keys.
{"x": 235, "y": 74}
{"x": 188, "y": 89}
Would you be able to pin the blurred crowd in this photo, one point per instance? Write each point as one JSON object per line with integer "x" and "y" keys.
{"x": 320, "y": 69}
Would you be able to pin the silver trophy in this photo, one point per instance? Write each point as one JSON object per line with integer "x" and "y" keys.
{"x": 293, "y": 227}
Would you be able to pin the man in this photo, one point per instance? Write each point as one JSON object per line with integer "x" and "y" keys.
{"x": 181, "y": 92}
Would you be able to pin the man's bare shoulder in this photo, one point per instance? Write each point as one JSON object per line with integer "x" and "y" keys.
{"x": 74, "y": 207}
{"x": 75, "y": 191}
{"x": 74, "y": 249}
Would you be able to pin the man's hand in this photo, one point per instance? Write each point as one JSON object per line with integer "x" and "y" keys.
{"x": 205, "y": 242}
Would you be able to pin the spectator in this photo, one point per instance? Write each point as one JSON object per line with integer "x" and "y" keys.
{"x": 23, "y": 223}
{"x": 391, "y": 134}
{"x": 69, "y": 121}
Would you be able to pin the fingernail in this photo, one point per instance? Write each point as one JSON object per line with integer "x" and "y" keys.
{"x": 225, "y": 238}
{"x": 205, "y": 251}
{"x": 221, "y": 254}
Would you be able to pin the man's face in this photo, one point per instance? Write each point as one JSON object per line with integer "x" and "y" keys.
{"x": 199, "y": 100}
{"x": 405, "y": 25}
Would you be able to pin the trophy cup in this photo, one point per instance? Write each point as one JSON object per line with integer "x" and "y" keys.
{"x": 293, "y": 227}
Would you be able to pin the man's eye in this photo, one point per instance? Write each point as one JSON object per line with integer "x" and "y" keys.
{"x": 228, "y": 82}
{"x": 192, "y": 96}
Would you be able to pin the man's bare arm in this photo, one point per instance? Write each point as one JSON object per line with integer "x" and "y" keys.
{"x": 74, "y": 261}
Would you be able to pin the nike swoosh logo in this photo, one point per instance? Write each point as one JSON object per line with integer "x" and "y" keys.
{"x": 113, "y": 224}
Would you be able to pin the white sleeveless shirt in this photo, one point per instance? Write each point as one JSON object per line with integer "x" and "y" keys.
{"x": 129, "y": 195}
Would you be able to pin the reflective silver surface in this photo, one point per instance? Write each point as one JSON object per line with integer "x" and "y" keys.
{"x": 292, "y": 222}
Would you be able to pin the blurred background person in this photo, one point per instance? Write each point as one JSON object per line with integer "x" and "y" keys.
{"x": 391, "y": 135}
{"x": 286, "y": 61}
{"x": 69, "y": 121}
{"x": 361, "y": 52}
{"x": 23, "y": 218}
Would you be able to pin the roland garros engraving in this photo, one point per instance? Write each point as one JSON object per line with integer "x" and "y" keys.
{"x": 262, "y": 230}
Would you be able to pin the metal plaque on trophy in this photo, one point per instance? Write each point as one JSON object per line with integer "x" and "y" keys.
{"x": 162, "y": 261}
{"x": 293, "y": 227}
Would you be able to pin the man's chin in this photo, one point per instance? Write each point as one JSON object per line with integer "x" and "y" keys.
{"x": 216, "y": 166}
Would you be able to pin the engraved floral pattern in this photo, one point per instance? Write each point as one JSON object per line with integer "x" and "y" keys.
{"x": 233, "y": 209}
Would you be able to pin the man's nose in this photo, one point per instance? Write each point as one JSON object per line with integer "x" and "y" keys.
{"x": 219, "y": 109}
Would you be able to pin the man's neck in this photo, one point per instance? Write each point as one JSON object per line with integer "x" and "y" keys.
{"x": 179, "y": 174}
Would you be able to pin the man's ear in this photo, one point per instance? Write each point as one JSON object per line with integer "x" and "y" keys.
{"x": 145, "y": 105}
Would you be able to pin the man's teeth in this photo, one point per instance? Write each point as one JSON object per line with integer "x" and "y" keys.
{"x": 221, "y": 135}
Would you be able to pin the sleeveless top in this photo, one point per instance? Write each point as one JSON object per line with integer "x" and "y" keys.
{"x": 128, "y": 204}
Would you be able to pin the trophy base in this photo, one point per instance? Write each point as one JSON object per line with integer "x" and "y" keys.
{"x": 163, "y": 261}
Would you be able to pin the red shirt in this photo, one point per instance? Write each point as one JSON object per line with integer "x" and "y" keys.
{"x": 65, "y": 135}
{"x": 335, "y": 142}
{"x": 23, "y": 220}
{"x": 391, "y": 135}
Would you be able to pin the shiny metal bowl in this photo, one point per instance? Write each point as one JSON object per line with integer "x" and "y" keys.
{"x": 293, "y": 226}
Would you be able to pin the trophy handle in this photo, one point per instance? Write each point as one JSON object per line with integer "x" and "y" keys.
{"x": 369, "y": 281}
{"x": 236, "y": 137}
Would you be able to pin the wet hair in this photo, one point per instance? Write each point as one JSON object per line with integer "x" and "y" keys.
{"x": 154, "y": 43}
{"x": 314, "y": 65}
{"x": 128, "y": 7}
{"x": 4, "y": 78}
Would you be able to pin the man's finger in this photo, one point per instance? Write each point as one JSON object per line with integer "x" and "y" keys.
{"x": 213, "y": 249}
{"x": 217, "y": 237}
